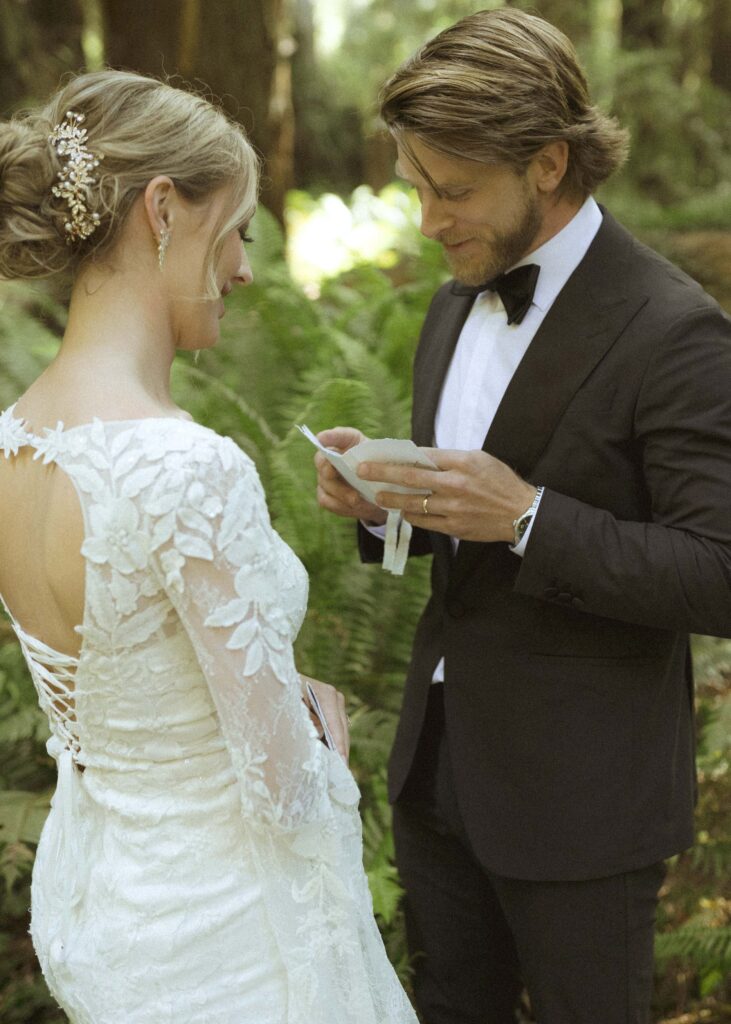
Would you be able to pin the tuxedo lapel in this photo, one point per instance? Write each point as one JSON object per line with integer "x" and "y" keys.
{"x": 588, "y": 315}
{"x": 439, "y": 339}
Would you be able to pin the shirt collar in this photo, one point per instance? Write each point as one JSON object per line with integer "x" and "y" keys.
{"x": 559, "y": 257}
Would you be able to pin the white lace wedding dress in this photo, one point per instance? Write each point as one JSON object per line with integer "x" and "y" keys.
{"x": 202, "y": 861}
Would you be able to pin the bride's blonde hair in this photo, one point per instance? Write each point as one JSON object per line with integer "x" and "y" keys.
{"x": 138, "y": 127}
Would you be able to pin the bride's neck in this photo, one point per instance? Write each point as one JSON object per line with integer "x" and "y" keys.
{"x": 119, "y": 334}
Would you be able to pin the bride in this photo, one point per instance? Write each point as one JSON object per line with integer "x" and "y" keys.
{"x": 202, "y": 860}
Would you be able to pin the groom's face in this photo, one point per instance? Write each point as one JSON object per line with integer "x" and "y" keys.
{"x": 485, "y": 216}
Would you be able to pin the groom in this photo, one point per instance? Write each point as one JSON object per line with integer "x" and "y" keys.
{"x": 579, "y": 411}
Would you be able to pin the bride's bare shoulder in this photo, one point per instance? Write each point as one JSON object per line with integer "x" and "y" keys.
{"x": 41, "y": 407}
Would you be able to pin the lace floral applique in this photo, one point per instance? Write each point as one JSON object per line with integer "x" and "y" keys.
{"x": 13, "y": 435}
{"x": 58, "y": 442}
{"x": 116, "y": 537}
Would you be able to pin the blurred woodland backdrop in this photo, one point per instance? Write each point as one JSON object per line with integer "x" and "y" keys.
{"x": 326, "y": 334}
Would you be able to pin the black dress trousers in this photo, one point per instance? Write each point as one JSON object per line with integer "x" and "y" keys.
{"x": 583, "y": 950}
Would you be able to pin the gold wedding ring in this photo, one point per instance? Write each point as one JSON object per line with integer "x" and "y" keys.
{"x": 425, "y": 506}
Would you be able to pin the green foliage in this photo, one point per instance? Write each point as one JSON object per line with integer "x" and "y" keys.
{"x": 693, "y": 945}
{"x": 678, "y": 172}
{"x": 26, "y": 778}
{"x": 29, "y": 322}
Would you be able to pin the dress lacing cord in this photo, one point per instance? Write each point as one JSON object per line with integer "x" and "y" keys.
{"x": 54, "y": 677}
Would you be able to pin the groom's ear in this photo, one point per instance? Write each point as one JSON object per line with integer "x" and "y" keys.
{"x": 548, "y": 166}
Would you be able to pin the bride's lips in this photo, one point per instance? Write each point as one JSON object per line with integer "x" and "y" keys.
{"x": 221, "y": 307}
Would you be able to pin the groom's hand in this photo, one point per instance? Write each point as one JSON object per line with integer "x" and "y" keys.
{"x": 474, "y": 497}
{"x": 333, "y": 493}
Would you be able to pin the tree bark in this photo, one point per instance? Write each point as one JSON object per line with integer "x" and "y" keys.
{"x": 232, "y": 48}
{"x": 643, "y": 24}
{"x": 39, "y": 41}
{"x": 720, "y": 43}
{"x": 140, "y": 36}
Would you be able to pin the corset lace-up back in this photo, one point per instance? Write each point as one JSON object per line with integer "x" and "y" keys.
{"x": 53, "y": 674}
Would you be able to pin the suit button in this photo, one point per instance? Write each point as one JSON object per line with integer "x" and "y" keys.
{"x": 456, "y": 609}
{"x": 550, "y": 592}
{"x": 565, "y": 597}
{"x": 578, "y": 603}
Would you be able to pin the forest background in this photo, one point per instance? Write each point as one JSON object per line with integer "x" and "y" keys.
{"x": 326, "y": 335}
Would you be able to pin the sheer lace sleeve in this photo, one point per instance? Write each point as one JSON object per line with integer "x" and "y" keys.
{"x": 240, "y": 594}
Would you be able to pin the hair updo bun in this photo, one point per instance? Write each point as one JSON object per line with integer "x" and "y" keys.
{"x": 32, "y": 240}
{"x": 138, "y": 127}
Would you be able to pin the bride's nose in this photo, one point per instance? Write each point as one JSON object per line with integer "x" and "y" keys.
{"x": 244, "y": 274}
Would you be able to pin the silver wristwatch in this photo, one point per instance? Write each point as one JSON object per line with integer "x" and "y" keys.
{"x": 520, "y": 525}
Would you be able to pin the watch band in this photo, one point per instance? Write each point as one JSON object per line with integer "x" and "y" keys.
{"x": 520, "y": 525}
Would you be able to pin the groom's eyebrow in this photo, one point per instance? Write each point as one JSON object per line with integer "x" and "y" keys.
{"x": 443, "y": 186}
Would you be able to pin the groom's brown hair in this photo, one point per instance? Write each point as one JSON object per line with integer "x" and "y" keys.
{"x": 496, "y": 87}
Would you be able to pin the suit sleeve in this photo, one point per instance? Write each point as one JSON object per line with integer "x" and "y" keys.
{"x": 673, "y": 572}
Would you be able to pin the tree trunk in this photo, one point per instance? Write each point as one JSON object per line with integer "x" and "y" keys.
{"x": 605, "y": 29}
{"x": 643, "y": 24}
{"x": 39, "y": 41}
{"x": 305, "y": 96}
{"x": 142, "y": 36}
{"x": 720, "y": 43}
{"x": 232, "y": 48}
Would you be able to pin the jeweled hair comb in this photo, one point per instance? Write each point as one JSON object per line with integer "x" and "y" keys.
{"x": 69, "y": 140}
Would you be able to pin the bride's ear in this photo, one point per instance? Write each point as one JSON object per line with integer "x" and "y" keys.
{"x": 160, "y": 198}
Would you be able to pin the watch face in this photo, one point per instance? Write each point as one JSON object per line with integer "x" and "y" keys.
{"x": 521, "y": 526}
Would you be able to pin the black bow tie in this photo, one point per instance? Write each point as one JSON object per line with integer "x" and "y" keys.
{"x": 515, "y": 288}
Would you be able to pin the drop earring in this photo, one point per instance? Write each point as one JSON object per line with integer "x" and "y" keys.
{"x": 162, "y": 246}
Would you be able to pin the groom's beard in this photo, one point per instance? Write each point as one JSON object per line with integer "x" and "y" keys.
{"x": 503, "y": 249}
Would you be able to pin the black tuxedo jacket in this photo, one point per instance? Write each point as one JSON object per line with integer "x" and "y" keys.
{"x": 568, "y": 687}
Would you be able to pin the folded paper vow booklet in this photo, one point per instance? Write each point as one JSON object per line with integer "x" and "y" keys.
{"x": 388, "y": 450}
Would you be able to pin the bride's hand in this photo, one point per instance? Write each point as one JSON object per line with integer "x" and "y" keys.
{"x": 332, "y": 703}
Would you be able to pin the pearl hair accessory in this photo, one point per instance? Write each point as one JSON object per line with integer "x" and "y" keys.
{"x": 69, "y": 140}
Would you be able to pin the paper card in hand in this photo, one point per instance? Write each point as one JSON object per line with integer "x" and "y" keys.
{"x": 401, "y": 452}
{"x": 388, "y": 450}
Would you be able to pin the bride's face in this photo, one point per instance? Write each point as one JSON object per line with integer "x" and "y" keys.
{"x": 195, "y": 315}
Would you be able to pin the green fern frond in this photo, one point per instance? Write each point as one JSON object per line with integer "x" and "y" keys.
{"x": 26, "y": 344}
{"x": 22, "y": 815}
{"x": 702, "y": 946}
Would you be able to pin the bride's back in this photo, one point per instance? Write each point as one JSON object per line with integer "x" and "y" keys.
{"x": 42, "y": 570}
{"x": 41, "y": 566}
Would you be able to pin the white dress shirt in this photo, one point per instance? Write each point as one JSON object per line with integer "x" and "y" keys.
{"x": 489, "y": 350}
